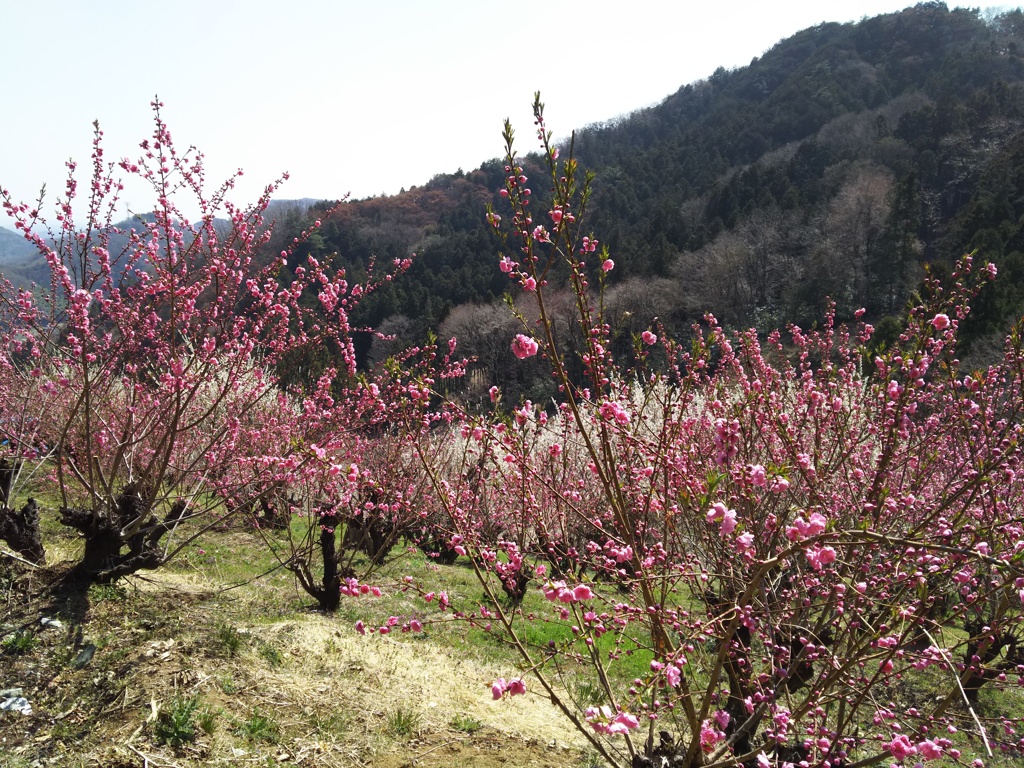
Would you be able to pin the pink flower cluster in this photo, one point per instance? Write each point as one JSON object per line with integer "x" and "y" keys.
{"x": 727, "y": 438}
{"x": 804, "y": 529}
{"x": 901, "y": 747}
{"x": 514, "y": 687}
{"x": 557, "y": 590}
{"x": 524, "y": 347}
{"x": 709, "y": 735}
{"x": 352, "y": 588}
{"x": 604, "y": 720}
{"x": 613, "y": 411}
{"x": 723, "y": 515}
{"x": 819, "y": 557}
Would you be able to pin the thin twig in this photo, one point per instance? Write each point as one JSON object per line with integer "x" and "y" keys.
{"x": 19, "y": 558}
{"x": 952, "y": 667}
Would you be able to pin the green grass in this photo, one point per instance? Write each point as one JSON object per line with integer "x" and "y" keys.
{"x": 99, "y": 593}
{"x": 229, "y": 640}
{"x": 271, "y": 655}
{"x": 227, "y": 683}
{"x": 176, "y": 725}
{"x": 260, "y": 728}
{"x": 466, "y": 724}
{"x": 588, "y": 693}
{"x": 403, "y": 722}
{"x": 206, "y": 719}
{"x": 19, "y": 643}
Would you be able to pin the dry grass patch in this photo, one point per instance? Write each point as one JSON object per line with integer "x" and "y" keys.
{"x": 183, "y": 674}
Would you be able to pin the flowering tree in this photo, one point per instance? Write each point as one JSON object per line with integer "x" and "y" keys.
{"x": 796, "y": 540}
{"x": 147, "y": 360}
{"x": 356, "y": 490}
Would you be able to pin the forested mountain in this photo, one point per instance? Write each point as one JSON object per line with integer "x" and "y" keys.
{"x": 19, "y": 261}
{"x": 835, "y": 165}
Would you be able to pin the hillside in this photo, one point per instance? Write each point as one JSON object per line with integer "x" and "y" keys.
{"x": 837, "y": 164}
{"x": 19, "y": 261}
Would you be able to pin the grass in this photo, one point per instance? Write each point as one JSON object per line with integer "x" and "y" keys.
{"x": 176, "y": 725}
{"x": 329, "y": 723}
{"x": 466, "y": 724}
{"x": 19, "y": 643}
{"x": 587, "y": 693}
{"x": 99, "y": 593}
{"x": 229, "y": 640}
{"x": 243, "y": 670}
{"x": 206, "y": 719}
{"x": 403, "y": 722}
{"x": 257, "y": 675}
{"x": 271, "y": 655}
{"x": 260, "y": 728}
{"x": 227, "y": 683}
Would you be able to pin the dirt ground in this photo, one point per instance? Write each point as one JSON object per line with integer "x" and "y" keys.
{"x": 304, "y": 691}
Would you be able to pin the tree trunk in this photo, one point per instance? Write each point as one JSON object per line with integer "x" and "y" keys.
{"x": 330, "y": 595}
{"x": 20, "y": 529}
{"x": 105, "y": 559}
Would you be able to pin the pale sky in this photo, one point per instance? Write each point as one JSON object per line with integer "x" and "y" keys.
{"x": 361, "y": 97}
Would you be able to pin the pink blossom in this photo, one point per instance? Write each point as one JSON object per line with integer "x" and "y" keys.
{"x": 360, "y": 627}
{"x": 816, "y": 523}
{"x": 821, "y": 557}
{"x": 529, "y": 284}
{"x": 602, "y": 721}
{"x": 524, "y": 347}
{"x": 623, "y": 722}
{"x": 709, "y": 736}
{"x": 717, "y": 512}
{"x": 649, "y": 338}
{"x": 901, "y": 748}
{"x": 582, "y": 592}
{"x": 552, "y": 589}
{"x": 929, "y": 750}
{"x": 728, "y": 522}
{"x": 672, "y": 675}
{"x": 758, "y": 476}
{"x": 506, "y": 264}
{"x": 608, "y": 265}
{"x": 516, "y": 687}
{"x": 940, "y": 322}
{"x": 498, "y": 688}
{"x": 803, "y": 529}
